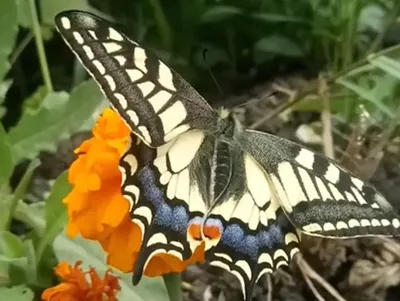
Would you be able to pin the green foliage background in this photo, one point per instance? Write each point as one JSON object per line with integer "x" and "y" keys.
{"x": 45, "y": 94}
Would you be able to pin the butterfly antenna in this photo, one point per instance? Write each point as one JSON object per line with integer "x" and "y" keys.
{"x": 256, "y": 99}
{"x": 210, "y": 72}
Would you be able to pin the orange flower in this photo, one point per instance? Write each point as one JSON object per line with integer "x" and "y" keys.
{"x": 75, "y": 287}
{"x": 96, "y": 208}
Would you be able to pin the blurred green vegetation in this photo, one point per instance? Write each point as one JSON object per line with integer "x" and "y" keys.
{"x": 45, "y": 96}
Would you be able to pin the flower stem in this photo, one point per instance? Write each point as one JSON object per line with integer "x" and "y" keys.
{"x": 173, "y": 284}
{"x": 40, "y": 48}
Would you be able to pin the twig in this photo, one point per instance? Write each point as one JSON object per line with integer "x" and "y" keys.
{"x": 309, "y": 273}
{"x": 326, "y": 119}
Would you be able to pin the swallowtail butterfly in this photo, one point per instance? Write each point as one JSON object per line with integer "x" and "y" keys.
{"x": 193, "y": 174}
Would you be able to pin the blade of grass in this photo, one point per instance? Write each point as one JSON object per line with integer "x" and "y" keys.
{"x": 40, "y": 47}
{"x": 19, "y": 192}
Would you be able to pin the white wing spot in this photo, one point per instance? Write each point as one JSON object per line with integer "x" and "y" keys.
{"x": 124, "y": 104}
{"x": 254, "y": 218}
{"x": 99, "y": 66}
{"x": 350, "y": 197}
{"x": 257, "y": 182}
{"x": 114, "y": 35}
{"x": 88, "y": 52}
{"x": 139, "y": 57}
{"x": 171, "y": 189}
{"x": 329, "y": 227}
{"x": 280, "y": 253}
{"x": 332, "y": 174}
{"x": 176, "y": 131}
{"x": 93, "y": 34}
{"x": 341, "y": 225}
{"x": 183, "y": 186}
{"x": 134, "y": 74}
{"x": 146, "y": 88}
{"x": 358, "y": 183}
{"x": 290, "y": 237}
{"x": 359, "y": 197}
{"x": 375, "y": 223}
{"x": 144, "y": 212}
{"x": 184, "y": 149}
{"x": 311, "y": 192}
{"x": 365, "y": 223}
{"x": 132, "y": 162}
{"x": 385, "y": 222}
{"x": 173, "y": 116}
{"x": 314, "y": 227}
{"x": 336, "y": 194}
{"x": 145, "y": 133}
{"x": 158, "y": 100}
{"x": 353, "y": 223}
{"x": 110, "y": 81}
{"x": 111, "y": 47}
{"x": 323, "y": 190}
{"x": 65, "y": 22}
{"x": 120, "y": 59}
{"x": 78, "y": 37}
{"x": 245, "y": 267}
{"x": 305, "y": 158}
{"x": 293, "y": 189}
{"x": 157, "y": 238}
{"x": 396, "y": 223}
{"x": 165, "y": 177}
{"x": 165, "y": 76}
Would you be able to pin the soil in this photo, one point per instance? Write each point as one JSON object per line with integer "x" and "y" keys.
{"x": 365, "y": 269}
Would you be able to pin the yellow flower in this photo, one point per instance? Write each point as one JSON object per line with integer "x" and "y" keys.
{"x": 75, "y": 287}
{"x": 96, "y": 208}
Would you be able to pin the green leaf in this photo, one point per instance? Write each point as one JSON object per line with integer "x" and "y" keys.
{"x": 57, "y": 118}
{"x": 24, "y": 13}
{"x": 9, "y": 30}
{"x": 4, "y": 86}
{"x": 7, "y": 165}
{"x": 220, "y": 13}
{"x": 16, "y": 293}
{"x": 11, "y": 245}
{"x": 387, "y": 64}
{"x": 276, "y": 18}
{"x": 91, "y": 254}
{"x": 50, "y": 8}
{"x": 30, "y": 270}
{"x": 277, "y": 45}
{"x": 55, "y": 214}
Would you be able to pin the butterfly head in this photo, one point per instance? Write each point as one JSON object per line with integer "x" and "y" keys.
{"x": 228, "y": 124}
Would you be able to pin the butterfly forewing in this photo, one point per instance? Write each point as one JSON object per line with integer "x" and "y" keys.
{"x": 155, "y": 102}
{"x": 318, "y": 196}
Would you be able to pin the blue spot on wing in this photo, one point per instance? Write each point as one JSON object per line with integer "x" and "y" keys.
{"x": 175, "y": 218}
{"x": 236, "y": 238}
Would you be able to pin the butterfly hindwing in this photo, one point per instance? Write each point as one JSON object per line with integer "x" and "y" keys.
{"x": 155, "y": 102}
{"x": 164, "y": 199}
{"x": 320, "y": 197}
{"x": 255, "y": 237}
